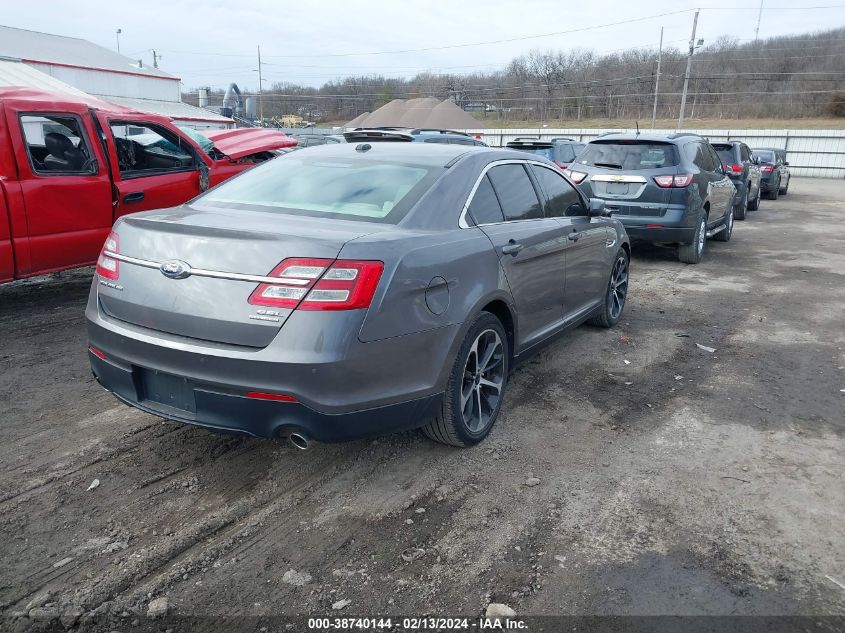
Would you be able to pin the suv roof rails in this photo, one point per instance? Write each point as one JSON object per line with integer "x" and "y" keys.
{"x": 422, "y": 130}
{"x": 681, "y": 134}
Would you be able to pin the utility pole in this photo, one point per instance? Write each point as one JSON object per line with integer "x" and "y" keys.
{"x": 686, "y": 75}
{"x": 657, "y": 79}
{"x": 117, "y": 36}
{"x": 156, "y": 57}
{"x": 759, "y": 16}
{"x": 260, "y": 97}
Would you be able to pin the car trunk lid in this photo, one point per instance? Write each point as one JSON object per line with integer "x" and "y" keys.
{"x": 191, "y": 273}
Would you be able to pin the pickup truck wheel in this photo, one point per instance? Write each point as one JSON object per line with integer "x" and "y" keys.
{"x": 725, "y": 234}
{"x": 742, "y": 207}
{"x": 476, "y": 386}
{"x": 617, "y": 292}
{"x": 754, "y": 204}
{"x": 693, "y": 252}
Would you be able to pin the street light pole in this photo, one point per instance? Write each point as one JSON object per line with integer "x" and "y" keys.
{"x": 657, "y": 79}
{"x": 686, "y": 75}
{"x": 117, "y": 36}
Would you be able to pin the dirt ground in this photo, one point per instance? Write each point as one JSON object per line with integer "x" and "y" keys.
{"x": 673, "y": 480}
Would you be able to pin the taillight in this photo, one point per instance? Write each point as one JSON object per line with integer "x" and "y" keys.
{"x": 109, "y": 267}
{"x": 681, "y": 180}
{"x": 576, "y": 176}
{"x": 766, "y": 168}
{"x": 561, "y": 166}
{"x": 320, "y": 284}
{"x": 734, "y": 169}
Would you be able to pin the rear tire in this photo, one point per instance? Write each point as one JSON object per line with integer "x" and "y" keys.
{"x": 616, "y": 293}
{"x": 693, "y": 252}
{"x": 755, "y": 204}
{"x": 472, "y": 402}
{"x": 742, "y": 209}
{"x": 775, "y": 191}
{"x": 725, "y": 234}
{"x": 785, "y": 190}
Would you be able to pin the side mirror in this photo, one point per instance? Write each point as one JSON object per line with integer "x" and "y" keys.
{"x": 786, "y": 163}
{"x": 597, "y": 208}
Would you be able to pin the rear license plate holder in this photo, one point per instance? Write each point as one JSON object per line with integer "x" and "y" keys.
{"x": 168, "y": 390}
{"x": 617, "y": 188}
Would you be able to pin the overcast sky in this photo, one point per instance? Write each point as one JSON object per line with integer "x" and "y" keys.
{"x": 214, "y": 42}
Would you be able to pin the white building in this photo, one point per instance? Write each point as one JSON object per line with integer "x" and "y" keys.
{"x": 101, "y": 72}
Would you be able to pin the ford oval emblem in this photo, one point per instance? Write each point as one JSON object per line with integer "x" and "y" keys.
{"x": 175, "y": 269}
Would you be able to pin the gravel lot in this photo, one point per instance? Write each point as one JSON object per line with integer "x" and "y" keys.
{"x": 672, "y": 480}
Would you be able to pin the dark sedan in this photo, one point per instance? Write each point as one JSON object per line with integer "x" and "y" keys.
{"x": 352, "y": 290}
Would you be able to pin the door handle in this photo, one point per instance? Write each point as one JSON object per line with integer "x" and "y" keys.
{"x": 135, "y": 196}
{"x": 512, "y": 248}
{"x": 574, "y": 236}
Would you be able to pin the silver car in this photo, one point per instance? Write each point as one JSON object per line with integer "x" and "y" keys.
{"x": 352, "y": 290}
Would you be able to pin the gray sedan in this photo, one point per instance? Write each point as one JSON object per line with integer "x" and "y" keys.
{"x": 352, "y": 290}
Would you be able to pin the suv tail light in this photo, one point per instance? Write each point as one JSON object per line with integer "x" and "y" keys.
{"x": 766, "y": 168}
{"x": 576, "y": 176}
{"x": 320, "y": 284}
{"x": 678, "y": 181}
{"x": 109, "y": 267}
{"x": 733, "y": 169}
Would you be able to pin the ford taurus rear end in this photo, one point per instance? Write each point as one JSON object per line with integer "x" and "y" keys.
{"x": 245, "y": 310}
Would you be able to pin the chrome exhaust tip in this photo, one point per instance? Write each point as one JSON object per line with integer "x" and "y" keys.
{"x": 299, "y": 441}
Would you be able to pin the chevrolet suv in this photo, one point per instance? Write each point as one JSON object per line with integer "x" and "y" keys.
{"x": 664, "y": 189}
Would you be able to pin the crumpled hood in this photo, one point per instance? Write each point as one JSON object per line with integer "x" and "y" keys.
{"x": 241, "y": 142}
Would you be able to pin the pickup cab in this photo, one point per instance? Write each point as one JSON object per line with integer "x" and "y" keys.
{"x": 71, "y": 165}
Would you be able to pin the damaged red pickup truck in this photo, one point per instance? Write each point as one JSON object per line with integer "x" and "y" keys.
{"x": 70, "y": 166}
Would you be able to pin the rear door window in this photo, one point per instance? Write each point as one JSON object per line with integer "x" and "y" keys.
{"x": 561, "y": 198}
{"x": 485, "y": 208}
{"x": 515, "y": 192}
{"x": 629, "y": 155}
{"x": 56, "y": 145}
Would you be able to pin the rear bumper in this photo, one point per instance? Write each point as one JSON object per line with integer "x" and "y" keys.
{"x": 342, "y": 388}
{"x": 237, "y": 414}
{"x": 768, "y": 183}
{"x": 681, "y": 235}
{"x": 671, "y": 225}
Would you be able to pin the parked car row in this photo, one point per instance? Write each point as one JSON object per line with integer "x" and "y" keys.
{"x": 670, "y": 189}
{"x": 385, "y": 281}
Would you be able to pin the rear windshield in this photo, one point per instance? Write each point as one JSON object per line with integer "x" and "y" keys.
{"x": 341, "y": 188}
{"x": 725, "y": 152}
{"x": 762, "y": 155}
{"x": 629, "y": 155}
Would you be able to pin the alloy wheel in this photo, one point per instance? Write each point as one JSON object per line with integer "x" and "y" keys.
{"x": 483, "y": 380}
{"x": 618, "y": 286}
